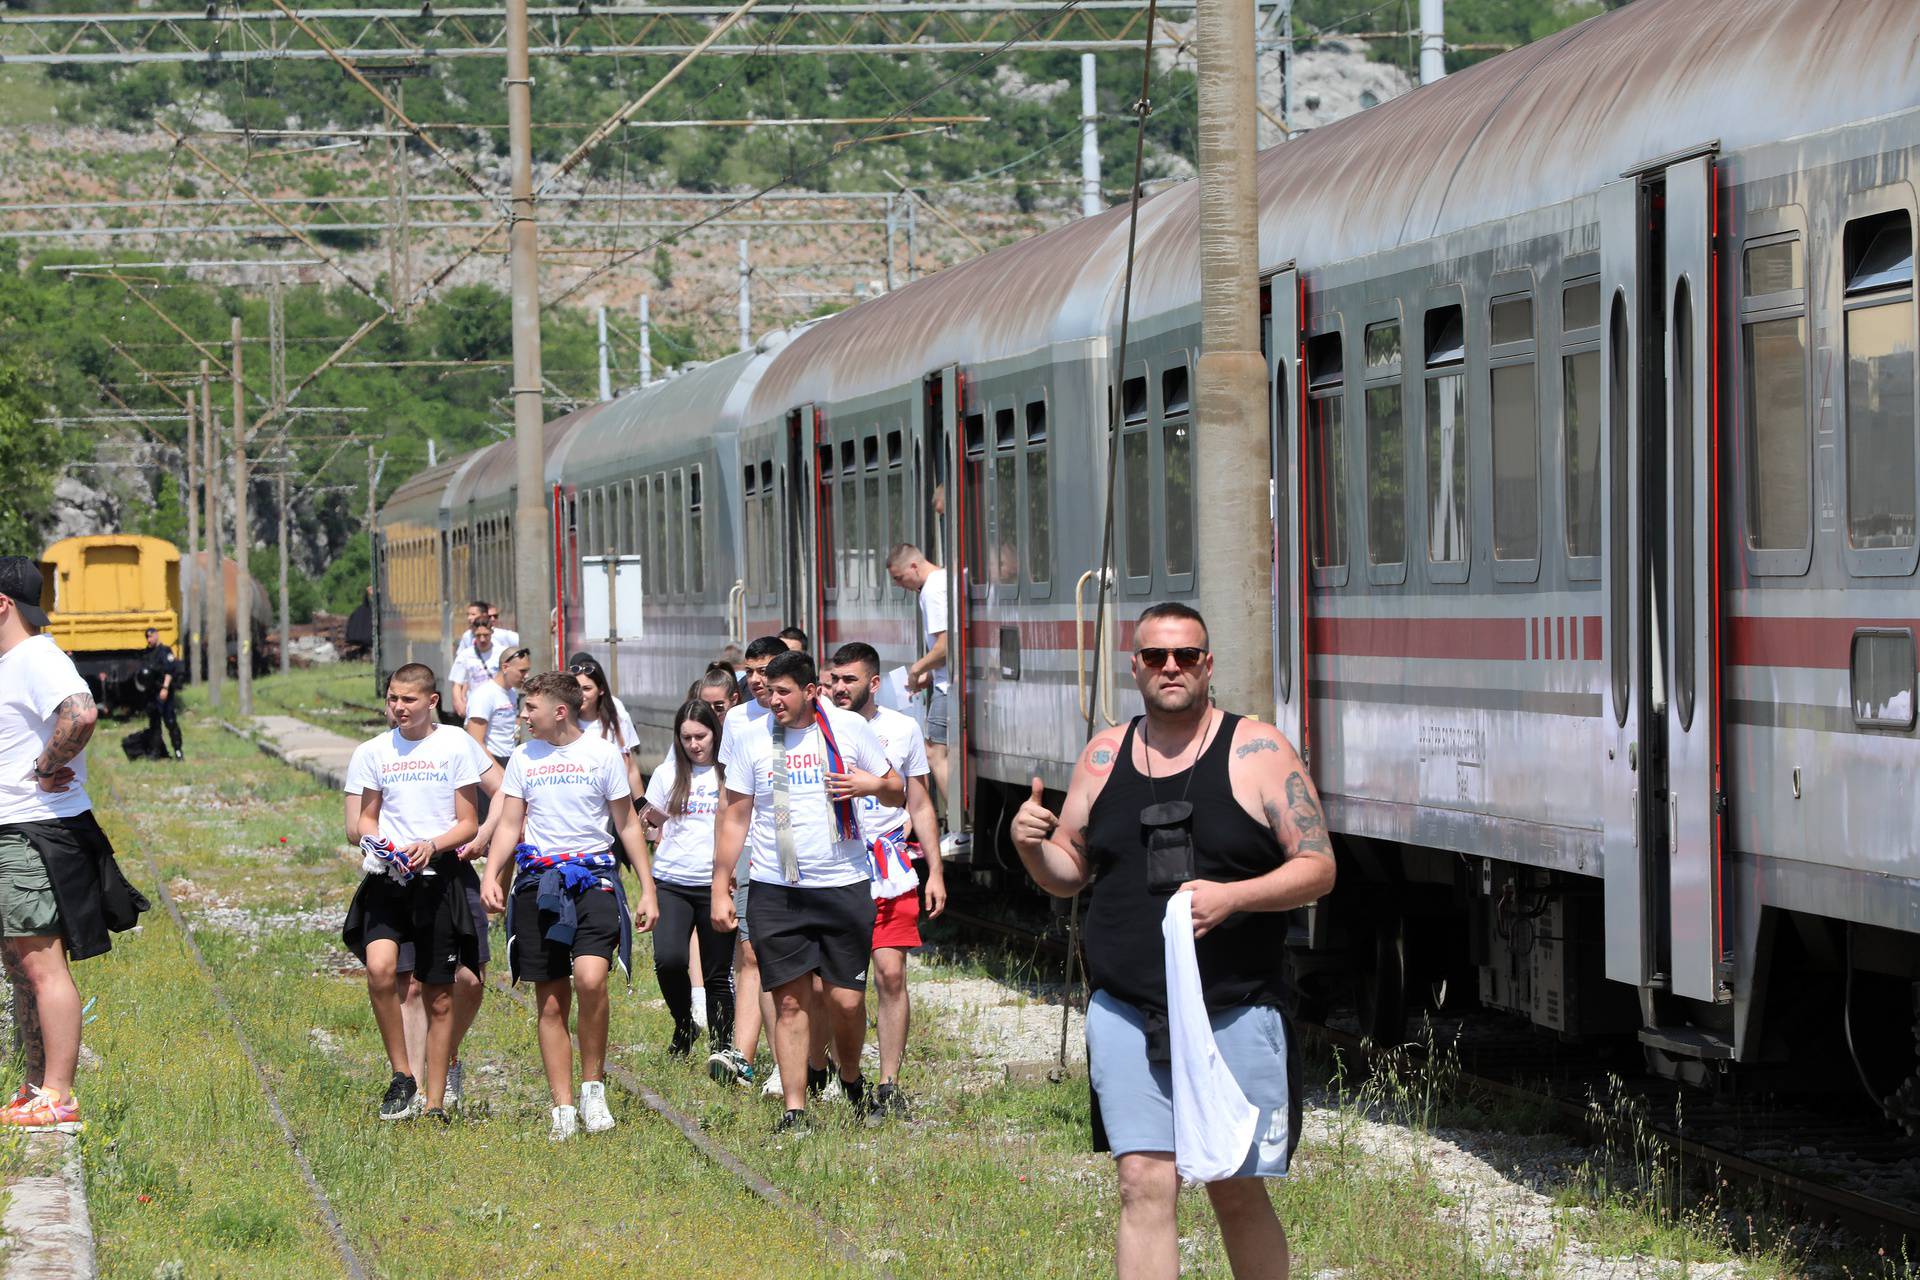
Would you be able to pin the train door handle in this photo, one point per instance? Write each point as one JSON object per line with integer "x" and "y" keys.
{"x": 1634, "y": 799}
{"x": 737, "y": 609}
{"x": 1673, "y": 822}
{"x": 1079, "y": 640}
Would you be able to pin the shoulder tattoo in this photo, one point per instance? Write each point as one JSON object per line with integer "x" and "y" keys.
{"x": 1255, "y": 747}
{"x": 1301, "y": 817}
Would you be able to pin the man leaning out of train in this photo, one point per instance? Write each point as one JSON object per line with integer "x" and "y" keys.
{"x": 1188, "y": 813}
{"x": 60, "y": 889}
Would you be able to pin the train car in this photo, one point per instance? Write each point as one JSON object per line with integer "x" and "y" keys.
{"x": 233, "y": 580}
{"x": 101, "y": 594}
{"x": 1594, "y": 461}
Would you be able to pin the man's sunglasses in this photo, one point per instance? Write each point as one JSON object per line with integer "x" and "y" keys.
{"x": 517, "y": 654}
{"x": 1186, "y": 655}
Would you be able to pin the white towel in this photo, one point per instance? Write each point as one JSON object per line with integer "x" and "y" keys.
{"x": 1213, "y": 1123}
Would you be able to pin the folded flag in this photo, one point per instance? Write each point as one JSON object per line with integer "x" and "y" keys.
{"x": 382, "y": 857}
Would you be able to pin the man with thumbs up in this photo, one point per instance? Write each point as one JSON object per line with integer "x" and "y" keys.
{"x": 1185, "y": 798}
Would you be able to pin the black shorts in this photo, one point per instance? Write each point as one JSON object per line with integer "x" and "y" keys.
{"x": 536, "y": 959}
{"x": 471, "y": 879}
{"x": 409, "y": 916}
{"x": 797, "y": 931}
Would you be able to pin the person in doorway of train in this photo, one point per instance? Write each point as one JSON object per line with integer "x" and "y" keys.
{"x": 477, "y": 662}
{"x": 912, "y": 571}
{"x": 61, "y": 891}
{"x": 494, "y": 707}
{"x": 682, "y": 796}
{"x": 159, "y": 670}
{"x": 564, "y": 802}
{"x": 811, "y": 910}
{"x": 1185, "y": 798}
{"x": 412, "y": 804}
{"x": 895, "y": 837}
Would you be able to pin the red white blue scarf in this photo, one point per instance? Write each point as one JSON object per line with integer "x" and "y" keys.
{"x": 846, "y": 823}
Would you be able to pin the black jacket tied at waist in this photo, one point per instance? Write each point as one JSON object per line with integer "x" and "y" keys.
{"x": 94, "y": 896}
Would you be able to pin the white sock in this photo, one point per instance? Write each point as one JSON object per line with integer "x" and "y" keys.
{"x": 699, "y": 1006}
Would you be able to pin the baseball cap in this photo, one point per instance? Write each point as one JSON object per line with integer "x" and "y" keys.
{"x": 20, "y": 582}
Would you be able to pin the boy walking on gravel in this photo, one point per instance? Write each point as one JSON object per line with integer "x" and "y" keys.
{"x": 567, "y": 912}
{"x": 60, "y": 889}
{"x": 411, "y": 802}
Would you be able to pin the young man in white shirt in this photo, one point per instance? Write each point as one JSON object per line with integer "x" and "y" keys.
{"x": 566, "y": 914}
{"x": 506, "y": 638}
{"x": 791, "y": 777}
{"x": 412, "y": 806}
{"x": 474, "y": 663}
{"x": 912, "y": 571}
{"x": 60, "y": 888}
{"x": 854, "y": 679}
{"x": 493, "y": 710}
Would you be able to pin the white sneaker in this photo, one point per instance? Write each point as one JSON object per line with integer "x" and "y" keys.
{"x": 450, "y": 1096}
{"x": 772, "y": 1086}
{"x": 956, "y": 846}
{"x": 593, "y": 1106}
{"x": 566, "y": 1123}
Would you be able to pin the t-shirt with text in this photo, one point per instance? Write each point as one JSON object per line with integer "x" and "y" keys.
{"x": 415, "y": 781}
{"x": 685, "y": 852}
{"x": 500, "y": 708}
{"x": 569, "y": 792}
{"x": 35, "y": 678}
{"x": 747, "y": 753}
{"x": 906, "y": 749}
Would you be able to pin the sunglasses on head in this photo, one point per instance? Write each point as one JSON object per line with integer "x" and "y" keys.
{"x": 1187, "y": 655}
{"x": 582, "y": 669}
{"x": 516, "y": 654}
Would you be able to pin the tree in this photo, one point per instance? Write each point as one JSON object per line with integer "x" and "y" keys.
{"x": 30, "y": 461}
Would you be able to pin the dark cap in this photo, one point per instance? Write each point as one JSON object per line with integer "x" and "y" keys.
{"x": 20, "y": 582}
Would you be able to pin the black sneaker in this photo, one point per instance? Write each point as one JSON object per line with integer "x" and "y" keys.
{"x": 887, "y": 1102}
{"x": 855, "y": 1091}
{"x": 684, "y": 1038}
{"x": 793, "y": 1122}
{"x": 402, "y": 1093}
{"x": 436, "y": 1113}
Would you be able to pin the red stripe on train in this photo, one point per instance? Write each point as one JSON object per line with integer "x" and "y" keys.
{"x": 1500, "y": 639}
{"x": 1819, "y": 643}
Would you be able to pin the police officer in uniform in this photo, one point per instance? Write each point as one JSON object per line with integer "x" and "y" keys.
{"x": 158, "y": 670}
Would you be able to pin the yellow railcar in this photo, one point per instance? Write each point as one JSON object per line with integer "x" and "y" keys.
{"x": 101, "y": 594}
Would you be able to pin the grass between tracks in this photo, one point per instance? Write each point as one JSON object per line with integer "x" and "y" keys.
{"x": 184, "y": 1162}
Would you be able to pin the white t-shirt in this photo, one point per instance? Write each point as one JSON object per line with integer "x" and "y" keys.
{"x": 35, "y": 678}
{"x": 470, "y": 668}
{"x": 685, "y": 852}
{"x": 628, "y": 734}
{"x": 415, "y": 781}
{"x": 739, "y": 717}
{"x": 933, "y": 618}
{"x": 746, "y": 750}
{"x": 906, "y": 749}
{"x": 500, "y": 708}
{"x": 505, "y": 640}
{"x": 569, "y": 792}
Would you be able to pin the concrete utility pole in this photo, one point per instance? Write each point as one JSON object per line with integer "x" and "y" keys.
{"x": 286, "y": 613}
{"x": 213, "y": 654}
{"x": 242, "y": 536}
{"x": 1433, "y": 40}
{"x": 889, "y": 244}
{"x": 646, "y": 343}
{"x": 1090, "y": 201}
{"x": 746, "y": 299}
{"x": 606, "y": 377}
{"x": 532, "y": 567}
{"x": 1230, "y": 506}
{"x": 191, "y": 637}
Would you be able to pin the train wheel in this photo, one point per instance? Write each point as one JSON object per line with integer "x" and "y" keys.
{"x": 1380, "y": 995}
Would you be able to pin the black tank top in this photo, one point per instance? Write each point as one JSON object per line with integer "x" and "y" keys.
{"x": 1241, "y": 960}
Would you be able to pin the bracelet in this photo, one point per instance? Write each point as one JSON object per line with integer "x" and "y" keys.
{"x": 38, "y": 772}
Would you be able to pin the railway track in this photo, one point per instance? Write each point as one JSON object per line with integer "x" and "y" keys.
{"x": 1695, "y": 1133}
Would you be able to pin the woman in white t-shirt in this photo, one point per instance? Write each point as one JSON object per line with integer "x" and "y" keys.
{"x": 602, "y": 716}
{"x": 682, "y": 797}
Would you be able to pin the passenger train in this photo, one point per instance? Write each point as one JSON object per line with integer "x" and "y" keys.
{"x": 1593, "y": 450}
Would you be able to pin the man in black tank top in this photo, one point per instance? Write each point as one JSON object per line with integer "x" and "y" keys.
{"x": 1185, "y": 798}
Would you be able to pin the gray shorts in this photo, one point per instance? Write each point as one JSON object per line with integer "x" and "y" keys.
{"x": 740, "y": 909}
{"x": 937, "y": 718}
{"x": 1136, "y": 1096}
{"x": 27, "y": 906}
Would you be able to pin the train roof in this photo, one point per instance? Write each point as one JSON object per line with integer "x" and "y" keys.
{"x": 491, "y": 472}
{"x": 684, "y": 410}
{"x": 422, "y": 495}
{"x": 1531, "y": 128}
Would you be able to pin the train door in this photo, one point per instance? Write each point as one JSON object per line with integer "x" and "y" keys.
{"x": 807, "y": 539}
{"x": 949, "y": 500}
{"x": 1663, "y": 806}
{"x": 1281, "y": 339}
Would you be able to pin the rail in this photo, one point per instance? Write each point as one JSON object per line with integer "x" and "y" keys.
{"x": 1102, "y": 631}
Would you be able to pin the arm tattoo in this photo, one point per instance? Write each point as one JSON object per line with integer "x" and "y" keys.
{"x": 1304, "y": 812}
{"x": 1256, "y": 746}
{"x": 72, "y": 726}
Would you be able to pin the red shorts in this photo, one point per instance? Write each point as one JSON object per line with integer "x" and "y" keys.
{"x": 896, "y": 921}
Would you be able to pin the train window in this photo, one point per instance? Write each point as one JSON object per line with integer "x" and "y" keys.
{"x": 773, "y": 535}
{"x": 829, "y": 512}
{"x": 893, "y": 447}
{"x": 976, "y": 433}
{"x": 1620, "y": 605}
{"x": 1512, "y": 319}
{"x": 974, "y": 501}
{"x": 1383, "y": 349}
{"x": 1133, "y": 396}
{"x": 1386, "y": 477}
{"x": 1580, "y": 386}
{"x": 1446, "y": 436}
{"x": 1680, "y": 416}
{"x": 1881, "y": 504}
{"x": 1175, "y": 392}
{"x": 1883, "y": 679}
{"x": 896, "y": 518}
{"x": 1039, "y": 499}
{"x": 662, "y": 553}
{"x": 696, "y": 536}
{"x": 676, "y": 532}
{"x": 1006, "y": 517}
{"x": 847, "y": 464}
{"x": 1446, "y": 337}
{"x": 1003, "y": 428}
{"x": 875, "y": 519}
{"x": 1324, "y": 366}
{"x": 1327, "y": 493}
{"x": 1133, "y": 461}
{"x": 1580, "y": 306}
{"x": 1177, "y": 464}
{"x": 1774, "y": 346}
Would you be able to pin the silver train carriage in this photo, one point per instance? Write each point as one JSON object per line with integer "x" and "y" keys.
{"x": 1595, "y": 472}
